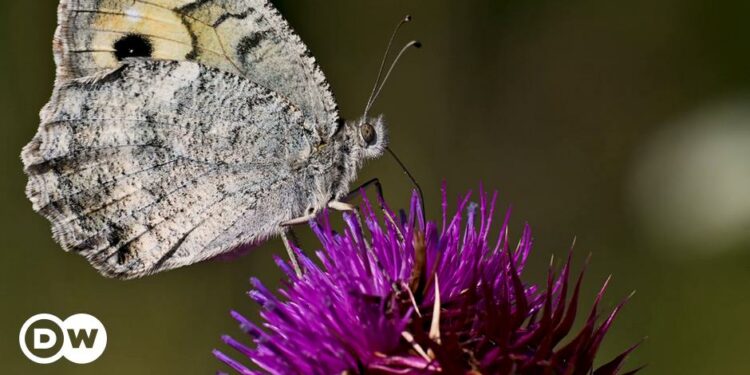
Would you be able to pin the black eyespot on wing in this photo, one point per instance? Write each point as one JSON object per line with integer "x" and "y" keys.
{"x": 133, "y": 45}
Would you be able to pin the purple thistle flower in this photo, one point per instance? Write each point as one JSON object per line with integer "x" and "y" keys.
{"x": 390, "y": 298}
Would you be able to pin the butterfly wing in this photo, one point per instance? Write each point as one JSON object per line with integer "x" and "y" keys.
{"x": 246, "y": 37}
{"x": 160, "y": 164}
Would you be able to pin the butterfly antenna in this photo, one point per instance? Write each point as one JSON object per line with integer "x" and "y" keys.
{"x": 370, "y": 100}
{"x": 378, "y": 87}
{"x": 413, "y": 43}
{"x": 414, "y": 182}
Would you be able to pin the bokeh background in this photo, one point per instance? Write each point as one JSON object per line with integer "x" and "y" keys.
{"x": 623, "y": 123}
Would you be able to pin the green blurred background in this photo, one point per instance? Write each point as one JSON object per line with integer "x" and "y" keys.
{"x": 624, "y": 123}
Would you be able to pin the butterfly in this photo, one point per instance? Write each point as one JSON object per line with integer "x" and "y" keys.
{"x": 179, "y": 130}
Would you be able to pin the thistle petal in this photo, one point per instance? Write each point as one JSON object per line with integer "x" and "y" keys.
{"x": 372, "y": 304}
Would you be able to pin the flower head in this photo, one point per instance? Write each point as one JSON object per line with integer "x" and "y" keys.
{"x": 401, "y": 296}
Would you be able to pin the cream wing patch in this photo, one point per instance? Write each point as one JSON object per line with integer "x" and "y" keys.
{"x": 245, "y": 37}
{"x": 90, "y": 30}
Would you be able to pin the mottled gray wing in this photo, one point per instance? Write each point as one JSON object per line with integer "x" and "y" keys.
{"x": 157, "y": 165}
{"x": 246, "y": 37}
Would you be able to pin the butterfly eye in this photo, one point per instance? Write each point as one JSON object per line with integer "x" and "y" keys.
{"x": 133, "y": 45}
{"x": 368, "y": 133}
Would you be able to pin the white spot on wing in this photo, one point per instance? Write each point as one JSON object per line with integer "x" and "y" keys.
{"x": 188, "y": 71}
{"x": 133, "y": 14}
{"x": 183, "y": 75}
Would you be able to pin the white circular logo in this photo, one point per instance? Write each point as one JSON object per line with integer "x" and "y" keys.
{"x": 81, "y": 338}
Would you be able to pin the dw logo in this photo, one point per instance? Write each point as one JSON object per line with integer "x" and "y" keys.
{"x": 81, "y": 338}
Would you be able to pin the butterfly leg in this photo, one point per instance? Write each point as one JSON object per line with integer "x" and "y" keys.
{"x": 298, "y": 221}
{"x": 338, "y": 205}
{"x": 343, "y": 205}
{"x": 375, "y": 182}
{"x": 349, "y": 208}
{"x": 290, "y": 241}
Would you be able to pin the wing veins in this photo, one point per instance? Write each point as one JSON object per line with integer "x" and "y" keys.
{"x": 118, "y": 13}
{"x": 92, "y": 51}
{"x": 206, "y": 209}
{"x": 170, "y": 253}
{"x": 185, "y": 185}
{"x": 212, "y": 27}
{"x": 148, "y": 35}
{"x": 224, "y": 196}
{"x": 105, "y": 184}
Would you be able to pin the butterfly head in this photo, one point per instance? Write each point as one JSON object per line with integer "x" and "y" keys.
{"x": 371, "y": 137}
{"x": 353, "y": 143}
